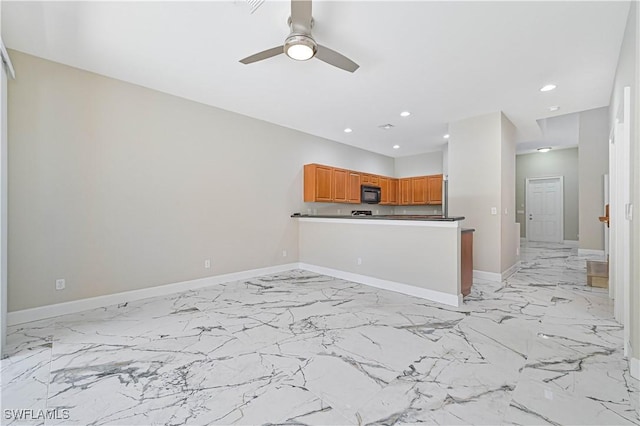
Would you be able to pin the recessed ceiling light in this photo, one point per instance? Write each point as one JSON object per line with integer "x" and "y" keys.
{"x": 544, "y": 149}
{"x": 446, "y": 136}
{"x": 554, "y": 108}
{"x": 405, "y": 114}
{"x": 396, "y": 147}
{"x": 547, "y": 87}
{"x": 348, "y": 130}
{"x": 386, "y": 126}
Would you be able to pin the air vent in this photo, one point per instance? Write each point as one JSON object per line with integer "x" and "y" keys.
{"x": 255, "y": 4}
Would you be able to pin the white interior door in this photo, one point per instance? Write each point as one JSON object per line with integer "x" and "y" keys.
{"x": 544, "y": 209}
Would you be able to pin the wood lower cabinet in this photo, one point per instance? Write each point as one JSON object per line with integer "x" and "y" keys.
{"x": 466, "y": 261}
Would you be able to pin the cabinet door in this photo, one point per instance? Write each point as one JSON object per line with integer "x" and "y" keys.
{"x": 384, "y": 190}
{"x": 340, "y": 185}
{"x": 323, "y": 184}
{"x": 393, "y": 191}
{"x": 405, "y": 191}
{"x": 364, "y": 178}
{"x": 435, "y": 189}
{"x": 317, "y": 183}
{"x": 354, "y": 188}
{"x": 419, "y": 190}
{"x": 374, "y": 180}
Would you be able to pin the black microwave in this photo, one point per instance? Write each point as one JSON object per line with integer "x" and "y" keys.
{"x": 370, "y": 194}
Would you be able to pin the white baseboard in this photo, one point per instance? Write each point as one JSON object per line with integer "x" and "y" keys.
{"x": 583, "y": 252}
{"x": 634, "y": 367}
{"x": 50, "y": 311}
{"x": 423, "y": 293}
{"x": 489, "y": 276}
{"x": 572, "y": 243}
{"x": 512, "y": 270}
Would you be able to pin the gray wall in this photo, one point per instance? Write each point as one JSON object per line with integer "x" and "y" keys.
{"x": 593, "y": 164}
{"x": 563, "y": 162}
{"x": 115, "y": 187}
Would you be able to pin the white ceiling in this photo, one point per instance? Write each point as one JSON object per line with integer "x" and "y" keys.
{"x": 443, "y": 61}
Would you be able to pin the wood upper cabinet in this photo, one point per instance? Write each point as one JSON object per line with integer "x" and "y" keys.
{"x": 317, "y": 183}
{"x": 333, "y": 185}
{"x": 419, "y": 190}
{"x": 405, "y": 191}
{"x": 354, "y": 188}
{"x": 435, "y": 189}
{"x": 393, "y": 191}
{"x": 384, "y": 189}
{"x": 340, "y": 179}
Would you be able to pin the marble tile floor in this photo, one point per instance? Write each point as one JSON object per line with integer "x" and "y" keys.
{"x": 300, "y": 348}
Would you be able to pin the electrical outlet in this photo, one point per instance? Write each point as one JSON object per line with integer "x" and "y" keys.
{"x": 359, "y": 261}
{"x": 339, "y": 211}
{"x": 207, "y": 263}
{"x": 284, "y": 253}
{"x": 60, "y": 284}
{"x": 494, "y": 210}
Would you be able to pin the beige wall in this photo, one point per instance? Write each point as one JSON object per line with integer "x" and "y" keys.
{"x": 475, "y": 184}
{"x": 628, "y": 74}
{"x": 429, "y": 163}
{"x": 481, "y": 164}
{"x": 593, "y": 164}
{"x": 115, "y": 187}
{"x": 509, "y": 235}
{"x": 426, "y": 257}
{"x": 562, "y": 162}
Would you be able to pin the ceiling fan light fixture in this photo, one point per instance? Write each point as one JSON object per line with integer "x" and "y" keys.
{"x": 300, "y": 47}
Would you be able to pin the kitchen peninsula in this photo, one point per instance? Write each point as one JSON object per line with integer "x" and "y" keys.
{"x": 411, "y": 254}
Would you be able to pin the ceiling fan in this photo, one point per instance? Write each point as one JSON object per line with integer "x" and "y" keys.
{"x": 300, "y": 45}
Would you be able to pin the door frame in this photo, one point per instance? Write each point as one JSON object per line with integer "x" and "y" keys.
{"x": 6, "y": 72}
{"x": 527, "y": 205}
{"x": 619, "y": 210}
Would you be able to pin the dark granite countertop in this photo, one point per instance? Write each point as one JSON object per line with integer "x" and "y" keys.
{"x": 419, "y": 217}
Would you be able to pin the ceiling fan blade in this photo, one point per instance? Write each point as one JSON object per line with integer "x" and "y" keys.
{"x": 336, "y": 59}
{"x": 265, "y": 54}
{"x": 301, "y": 16}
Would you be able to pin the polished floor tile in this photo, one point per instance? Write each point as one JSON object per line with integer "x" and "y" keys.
{"x": 301, "y": 348}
